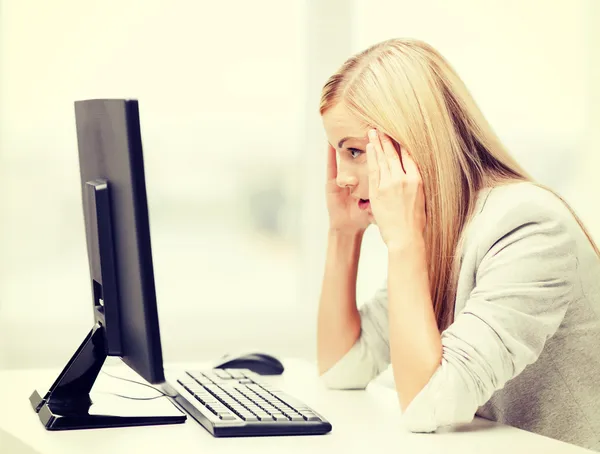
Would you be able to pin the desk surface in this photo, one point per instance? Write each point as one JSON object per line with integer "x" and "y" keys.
{"x": 362, "y": 421}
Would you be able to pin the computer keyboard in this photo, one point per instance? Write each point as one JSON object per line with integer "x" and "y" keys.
{"x": 235, "y": 402}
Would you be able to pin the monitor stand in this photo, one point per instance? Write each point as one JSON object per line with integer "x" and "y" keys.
{"x": 67, "y": 404}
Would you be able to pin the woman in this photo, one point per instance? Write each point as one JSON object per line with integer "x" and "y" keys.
{"x": 491, "y": 306}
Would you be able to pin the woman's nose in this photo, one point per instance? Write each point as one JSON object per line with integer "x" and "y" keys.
{"x": 346, "y": 180}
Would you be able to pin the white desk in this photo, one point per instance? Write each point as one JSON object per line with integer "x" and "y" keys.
{"x": 363, "y": 421}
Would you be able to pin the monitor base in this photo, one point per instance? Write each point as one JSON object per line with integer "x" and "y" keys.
{"x": 67, "y": 405}
{"x": 57, "y": 416}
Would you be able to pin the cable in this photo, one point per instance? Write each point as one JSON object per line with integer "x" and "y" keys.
{"x": 139, "y": 398}
{"x": 162, "y": 393}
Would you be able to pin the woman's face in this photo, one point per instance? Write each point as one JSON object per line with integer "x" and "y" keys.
{"x": 350, "y": 140}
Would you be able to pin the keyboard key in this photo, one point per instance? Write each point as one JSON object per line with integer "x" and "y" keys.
{"x": 279, "y": 417}
{"x": 211, "y": 409}
{"x": 214, "y": 389}
{"x": 289, "y": 410}
{"x": 242, "y": 399}
{"x": 238, "y": 413}
{"x": 220, "y": 408}
{"x": 273, "y": 410}
{"x": 270, "y": 409}
{"x": 236, "y": 374}
{"x": 185, "y": 382}
{"x": 272, "y": 399}
{"x": 241, "y": 390}
{"x": 254, "y": 387}
{"x": 295, "y": 405}
{"x": 267, "y": 405}
{"x": 250, "y": 409}
{"x": 310, "y": 416}
{"x": 279, "y": 404}
{"x": 221, "y": 373}
{"x": 204, "y": 379}
{"x": 205, "y": 395}
{"x": 245, "y": 415}
{"x": 227, "y": 416}
{"x": 256, "y": 410}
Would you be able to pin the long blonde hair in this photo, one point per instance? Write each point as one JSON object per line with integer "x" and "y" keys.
{"x": 407, "y": 90}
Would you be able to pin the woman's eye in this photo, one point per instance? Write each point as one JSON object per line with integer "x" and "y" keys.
{"x": 355, "y": 153}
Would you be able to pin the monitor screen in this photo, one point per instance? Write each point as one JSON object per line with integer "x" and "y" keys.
{"x": 110, "y": 148}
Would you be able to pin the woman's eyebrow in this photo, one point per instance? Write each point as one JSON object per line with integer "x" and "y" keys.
{"x": 341, "y": 142}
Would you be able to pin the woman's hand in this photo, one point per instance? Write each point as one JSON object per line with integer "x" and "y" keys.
{"x": 395, "y": 192}
{"x": 344, "y": 214}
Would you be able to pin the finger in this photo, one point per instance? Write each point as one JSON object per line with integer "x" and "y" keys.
{"x": 410, "y": 166}
{"x": 331, "y": 163}
{"x": 398, "y": 149}
{"x": 384, "y": 170}
{"x": 374, "y": 173}
{"x": 392, "y": 156}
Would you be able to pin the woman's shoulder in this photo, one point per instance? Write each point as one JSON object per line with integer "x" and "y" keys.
{"x": 521, "y": 201}
{"x": 505, "y": 209}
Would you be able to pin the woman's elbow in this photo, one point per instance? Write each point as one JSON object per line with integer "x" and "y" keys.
{"x": 446, "y": 400}
{"x": 430, "y": 420}
{"x": 336, "y": 381}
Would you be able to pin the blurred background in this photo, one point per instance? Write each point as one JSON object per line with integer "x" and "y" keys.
{"x": 234, "y": 148}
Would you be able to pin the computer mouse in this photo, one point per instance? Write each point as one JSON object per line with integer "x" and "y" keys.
{"x": 259, "y": 363}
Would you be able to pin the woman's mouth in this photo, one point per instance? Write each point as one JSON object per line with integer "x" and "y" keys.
{"x": 364, "y": 204}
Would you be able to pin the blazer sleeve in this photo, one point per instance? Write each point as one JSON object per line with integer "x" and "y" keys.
{"x": 370, "y": 354}
{"x": 523, "y": 286}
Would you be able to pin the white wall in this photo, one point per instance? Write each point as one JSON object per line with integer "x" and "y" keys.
{"x": 228, "y": 96}
{"x": 585, "y": 197}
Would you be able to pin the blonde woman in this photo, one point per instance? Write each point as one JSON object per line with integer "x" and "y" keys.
{"x": 491, "y": 305}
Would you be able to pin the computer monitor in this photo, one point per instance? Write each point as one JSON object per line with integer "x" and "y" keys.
{"x": 228, "y": 402}
{"x": 121, "y": 271}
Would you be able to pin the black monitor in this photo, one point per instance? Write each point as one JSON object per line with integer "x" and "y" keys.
{"x": 117, "y": 228}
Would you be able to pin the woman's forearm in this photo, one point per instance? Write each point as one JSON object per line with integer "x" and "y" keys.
{"x": 415, "y": 342}
{"x": 338, "y": 323}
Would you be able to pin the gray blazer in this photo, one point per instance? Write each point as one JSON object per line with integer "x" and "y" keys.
{"x": 524, "y": 349}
